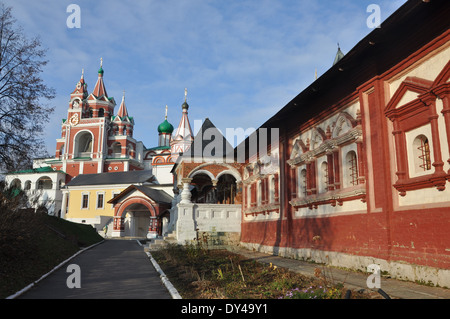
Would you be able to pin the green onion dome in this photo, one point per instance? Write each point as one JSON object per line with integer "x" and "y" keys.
{"x": 165, "y": 127}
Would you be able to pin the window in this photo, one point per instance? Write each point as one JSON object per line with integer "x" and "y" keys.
{"x": 302, "y": 180}
{"x": 352, "y": 164}
{"x": 83, "y": 144}
{"x": 117, "y": 150}
{"x": 114, "y": 194}
{"x": 258, "y": 194}
{"x": 422, "y": 159}
{"x": 101, "y": 112}
{"x": 272, "y": 190}
{"x": 100, "y": 198}
{"x": 324, "y": 177}
{"x": 85, "y": 201}
{"x": 44, "y": 183}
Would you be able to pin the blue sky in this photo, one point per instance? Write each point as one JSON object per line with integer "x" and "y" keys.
{"x": 241, "y": 61}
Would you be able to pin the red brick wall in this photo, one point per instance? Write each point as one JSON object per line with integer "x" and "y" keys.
{"x": 417, "y": 237}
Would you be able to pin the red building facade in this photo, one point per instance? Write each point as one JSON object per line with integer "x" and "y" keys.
{"x": 364, "y": 162}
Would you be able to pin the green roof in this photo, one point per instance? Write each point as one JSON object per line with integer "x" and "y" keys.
{"x": 46, "y": 169}
{"x": 158, "y": 148}
{"x": 165, "y": 127}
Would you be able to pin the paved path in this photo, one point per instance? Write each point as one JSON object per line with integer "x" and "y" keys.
{"x": 353, "y": 280}
{"x": 114, "y": 269}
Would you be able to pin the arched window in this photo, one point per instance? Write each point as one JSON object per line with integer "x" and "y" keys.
{"x": 422, "y": 159}
{"x": 16, "y": 184}
{"x": 101, "y": 112}
{"x": 44, "y": 182}
{"x": 249, "y": 196}
{"x": 83, "y": 144}
{"x": 302, "y": 183}
{"x": 90, "y": 113}
{"x": 323, "y": 177}
{"x": 352, "y": 171}
{"x": 27, "y": 185}
{"x": 272, "y": 190}
{"x": 117, "y": 150}
{"x": 258, "y": 194}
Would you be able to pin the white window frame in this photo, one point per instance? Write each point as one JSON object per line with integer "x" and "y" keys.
{"x": 82, "y": 200}
{"x": 103, "y": 200}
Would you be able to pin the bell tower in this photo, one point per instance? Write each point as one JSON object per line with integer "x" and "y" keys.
{"x": 82, "y": 146}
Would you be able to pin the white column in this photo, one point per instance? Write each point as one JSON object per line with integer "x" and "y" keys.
{"x": 186, "y": 193}
{"x": 186, "y": 220}
{"x": 64, "y": 204}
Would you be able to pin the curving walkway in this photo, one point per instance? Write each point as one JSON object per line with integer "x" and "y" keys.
{"x": 115, "y": 269}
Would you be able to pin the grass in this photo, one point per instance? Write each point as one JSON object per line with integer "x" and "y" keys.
{"x": 220, "y": 274}
{"x": 31, "y": 244}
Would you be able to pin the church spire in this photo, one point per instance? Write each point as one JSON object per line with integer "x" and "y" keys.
{"x": 81, "y": 88}
{"x": 123, "y": 112}
{"x": 339, "y": 55}
{"x": 183, "y": 136}
{"x": 99, "y": 89}
{"x": 185, "y": 105}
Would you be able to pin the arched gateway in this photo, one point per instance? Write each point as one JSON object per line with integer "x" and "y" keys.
{"x": 138, "y": 212}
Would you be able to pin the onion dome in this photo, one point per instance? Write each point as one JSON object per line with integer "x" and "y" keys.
{"x": 165, "y": 127}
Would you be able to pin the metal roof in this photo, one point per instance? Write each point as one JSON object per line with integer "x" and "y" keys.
{"x": 131, "y": 177}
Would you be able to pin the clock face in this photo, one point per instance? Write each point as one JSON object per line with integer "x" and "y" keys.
{"x": 74, "y": 119}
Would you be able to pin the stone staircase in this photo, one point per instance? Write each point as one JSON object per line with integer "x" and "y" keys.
{"x": 158, "y": 243}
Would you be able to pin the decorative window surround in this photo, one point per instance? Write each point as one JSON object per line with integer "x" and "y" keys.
{"x": 353, "y": 135}
{"x": 419, "y": 112}
{"x": 264, "y": 209}
{"x": 336, "y": 197}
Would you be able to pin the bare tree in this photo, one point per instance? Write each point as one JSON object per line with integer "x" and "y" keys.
{"x": 22, "y": 92}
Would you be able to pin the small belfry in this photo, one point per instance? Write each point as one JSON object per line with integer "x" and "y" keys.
{"x": 183, "y": 136}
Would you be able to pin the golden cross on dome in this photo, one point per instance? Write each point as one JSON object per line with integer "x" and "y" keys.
{"x": 185, "y": 94}
{"x": 166, "y": 111}
{"x": 101, "y": 62}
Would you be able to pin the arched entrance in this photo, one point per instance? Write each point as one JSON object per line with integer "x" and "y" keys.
{"x": 226, "y": 189}
{"x": 213, "y": 191}
{"x": 203, "y": 191}
{"x": 136, "y": 220}
{"x": 136, "y": 217}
